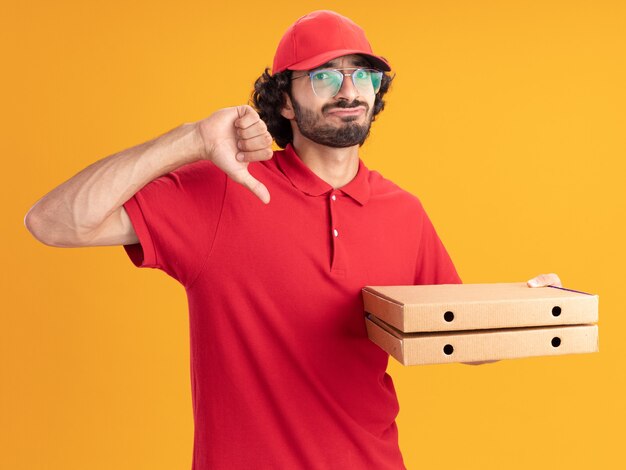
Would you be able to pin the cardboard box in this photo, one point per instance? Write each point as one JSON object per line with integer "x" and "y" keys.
{"x": 481, "y": 345}
{"x": 454, "y": 307}
{"x": 479, "y": 322}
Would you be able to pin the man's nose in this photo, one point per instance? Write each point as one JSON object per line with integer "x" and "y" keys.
{"x": 347, "y": 91}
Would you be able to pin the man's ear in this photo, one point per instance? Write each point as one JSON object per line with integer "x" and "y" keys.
{"x": 287, "y": 111}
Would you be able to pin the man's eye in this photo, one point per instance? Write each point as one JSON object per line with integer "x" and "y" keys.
{"x": 321, "y": 76}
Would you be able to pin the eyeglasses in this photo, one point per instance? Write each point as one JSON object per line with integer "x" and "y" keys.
{"x": 326, "y": 83}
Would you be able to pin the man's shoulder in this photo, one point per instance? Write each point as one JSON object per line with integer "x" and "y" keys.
{"x": 200, "y": 173}
{"x": 197, "y": 168}
{"x": 385, "y": 189}
{"x": 188, "y": 183}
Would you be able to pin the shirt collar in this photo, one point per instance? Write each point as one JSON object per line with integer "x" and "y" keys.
{"x": 309, "y": 183}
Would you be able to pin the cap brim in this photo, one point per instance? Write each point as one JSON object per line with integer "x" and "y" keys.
{"x": 313, "y": 62}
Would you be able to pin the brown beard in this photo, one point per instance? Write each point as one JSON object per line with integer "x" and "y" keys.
{"x": 347, "y": 135}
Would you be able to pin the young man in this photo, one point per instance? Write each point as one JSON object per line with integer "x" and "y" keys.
{"x": 283, "y": 374}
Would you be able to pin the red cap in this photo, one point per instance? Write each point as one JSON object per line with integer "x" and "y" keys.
{"x": 319, "y": 37}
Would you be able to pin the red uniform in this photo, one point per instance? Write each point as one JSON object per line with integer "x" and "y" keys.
{"x": 283, "y": 374}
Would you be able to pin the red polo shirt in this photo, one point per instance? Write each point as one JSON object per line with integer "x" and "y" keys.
{"x": 283, "y": 374}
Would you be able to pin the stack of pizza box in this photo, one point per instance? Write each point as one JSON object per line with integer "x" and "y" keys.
{"x": 445, "y": 323}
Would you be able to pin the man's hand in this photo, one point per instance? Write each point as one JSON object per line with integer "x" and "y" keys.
{"x": 234, "y": 137}
{"x": 544, "y": 280}
{"x": 478, "y": 363}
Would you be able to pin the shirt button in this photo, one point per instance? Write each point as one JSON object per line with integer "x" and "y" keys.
{"x": 335, "y": 233}
{"x": 333, "y": 197}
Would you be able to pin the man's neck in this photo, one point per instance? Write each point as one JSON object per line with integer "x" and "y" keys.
{"x": 336, "y": 166}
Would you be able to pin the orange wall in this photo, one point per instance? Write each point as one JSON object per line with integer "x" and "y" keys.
{"x": 506, "y": 119}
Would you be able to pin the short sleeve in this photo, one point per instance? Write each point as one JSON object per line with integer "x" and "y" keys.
{"x": 433, "y": 265}
{"x": 176, "y": 217}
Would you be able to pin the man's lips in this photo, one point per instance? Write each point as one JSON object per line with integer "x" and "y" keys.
{"x": 347, "y": 111}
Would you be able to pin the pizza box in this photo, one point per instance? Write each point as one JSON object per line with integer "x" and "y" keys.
{"x": 481, "y": 345}
{"x": 460, "y": 307}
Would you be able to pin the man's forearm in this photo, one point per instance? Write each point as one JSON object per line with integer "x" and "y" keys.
{"x": 78, "y": 206}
